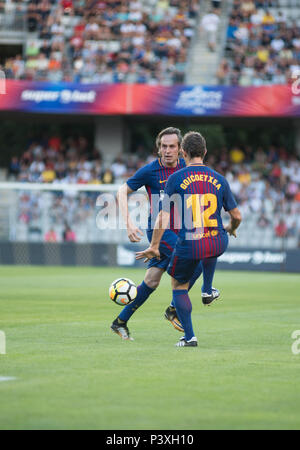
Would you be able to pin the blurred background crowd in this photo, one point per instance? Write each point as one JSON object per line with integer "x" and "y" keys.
{"x": 265, "y": 181}
{"x": 108, "y": 41}
{"x": 262, "y": 43}
{"x": 148, "y": 41}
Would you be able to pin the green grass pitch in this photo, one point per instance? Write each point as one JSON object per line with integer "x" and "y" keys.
{"x": 72, "y": 372}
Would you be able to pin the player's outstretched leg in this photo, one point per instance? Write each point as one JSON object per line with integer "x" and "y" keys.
{"x": 209, "y": 294}
{"x": 170, "y": 312}
{"x": 183, "y": 307}
{"x": 119, "y": 325}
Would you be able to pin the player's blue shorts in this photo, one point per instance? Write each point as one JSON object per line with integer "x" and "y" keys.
{"x": 182, "y": 269}
{"x": 166, "y": 248}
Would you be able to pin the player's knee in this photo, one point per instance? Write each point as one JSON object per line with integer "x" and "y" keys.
{"x": 152, "y": 283}
{"x": 153, "y": 277}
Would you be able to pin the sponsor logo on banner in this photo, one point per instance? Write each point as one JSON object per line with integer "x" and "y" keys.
{"x": 256, "y": 258}
{"x": 198, "y": 100}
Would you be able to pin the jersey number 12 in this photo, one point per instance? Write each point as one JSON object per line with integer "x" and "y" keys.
{"x": 201, "y": 215}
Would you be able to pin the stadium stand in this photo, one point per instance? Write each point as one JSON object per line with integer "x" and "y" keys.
{"x": 147, "y": 41}
{"x": 109, "y": 41}
{"x": 69, "y": 160}
{"x": 262, "y": 43}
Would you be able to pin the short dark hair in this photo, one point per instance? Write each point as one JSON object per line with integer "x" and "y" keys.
{"x": 194, "y": 144}
{"x": 169, "y": 130}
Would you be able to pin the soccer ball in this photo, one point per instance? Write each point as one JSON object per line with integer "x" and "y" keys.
{"x": 122, "y": 291}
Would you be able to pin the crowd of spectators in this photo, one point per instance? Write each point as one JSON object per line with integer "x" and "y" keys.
{"x": 106, "y": 41}
{"x": 147, "y": 41}
{"x": 53, "y": 216}
{"x": 9, "y": 6}
{"x": 263, "y": 44}
{"x": 70, "y": 160}
{"x": 266, "y": 184}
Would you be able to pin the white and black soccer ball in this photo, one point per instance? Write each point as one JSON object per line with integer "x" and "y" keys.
{"x": 122, "y": 291}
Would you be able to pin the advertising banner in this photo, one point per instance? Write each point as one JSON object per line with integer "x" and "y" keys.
{"x": 63, "y": 98}
{"x": 221, "y": 101}
{"x": 268, "y": 260}
{"x": 74, "y": 254}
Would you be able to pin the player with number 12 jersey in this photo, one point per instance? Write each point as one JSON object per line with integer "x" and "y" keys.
{"x": 153, "y": 177}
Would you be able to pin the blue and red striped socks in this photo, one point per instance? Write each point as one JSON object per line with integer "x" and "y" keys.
{"x": 183, "y": 305}
{"x": 209, "y": 267}
{"x": 196, "y": 275}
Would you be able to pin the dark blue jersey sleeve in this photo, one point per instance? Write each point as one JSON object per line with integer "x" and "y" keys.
{"x": 139, "y": 179}
{"x": 228, "y": 199}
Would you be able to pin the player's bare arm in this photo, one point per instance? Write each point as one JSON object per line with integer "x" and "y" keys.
{"x": 133, "y": 232}
{"x": 161, "y": 224}
{"x": 235, "y": 220}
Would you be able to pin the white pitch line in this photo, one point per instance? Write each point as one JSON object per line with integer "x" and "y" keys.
{"x": 7, "y": 378}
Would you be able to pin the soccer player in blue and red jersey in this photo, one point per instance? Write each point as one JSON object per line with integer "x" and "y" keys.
{"x": 201, "y": 193}
{"x": 154, "y": 177}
